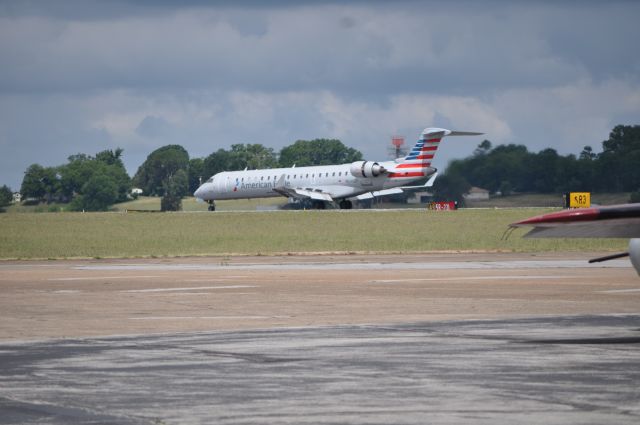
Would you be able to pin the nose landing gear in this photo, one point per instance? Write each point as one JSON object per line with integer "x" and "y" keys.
{"x": 212, "y": 206}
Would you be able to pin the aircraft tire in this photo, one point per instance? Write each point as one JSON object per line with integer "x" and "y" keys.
{"x": 345, "y": 204}
{"x": 212, "y": 207}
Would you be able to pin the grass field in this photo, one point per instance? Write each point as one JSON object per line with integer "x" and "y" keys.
{"x": 99, "y": 235}
{"x": 190, "y": 204}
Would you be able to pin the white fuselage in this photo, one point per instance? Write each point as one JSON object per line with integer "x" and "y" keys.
{"x": 333, "y": 183}
{"x": 336, "y": 179}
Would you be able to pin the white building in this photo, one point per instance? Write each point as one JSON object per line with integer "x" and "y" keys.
{"x": 476, "y": 194}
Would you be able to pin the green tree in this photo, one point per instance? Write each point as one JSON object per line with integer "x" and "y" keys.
{"x": 196, "y": 173}
{"x": 110, "y": 157}
{"x": 491, "y": 169}
{"x": 451, "y": 187}
{"x": 616, "y": 169}
{"x": 505, "y": 188}
{"x": 241, "y": 156}
{"x": 318, "y": 152}
{"x": 176, "y": 186}
{"x": 40, "y": 183}
{"x": 98, "y": 193}
{"x": 252, "y": 156}
{"x": 587, "y": 154}
{"x": 81, "y": 168}
{"x": 114, "y": 169}
{"x": 75, "y": 174}
{"x": 543, "y": 168}
{"x": 6, "y": 196}
{"x": 619, "y": 162}
{"x": 159, "y": 166}
{"x": 483, "y": 148}
{"x": 217, "y": 162}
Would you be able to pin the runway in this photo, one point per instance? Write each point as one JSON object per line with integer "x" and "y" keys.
{"x": 437, "y": 338}
{"x": 66, "y": 299}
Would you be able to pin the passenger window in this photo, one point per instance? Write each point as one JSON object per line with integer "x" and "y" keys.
{"x": 334, "y": 174}
{"x": 307, "y": 176}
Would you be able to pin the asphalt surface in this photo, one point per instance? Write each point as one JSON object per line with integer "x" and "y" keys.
{"x": 555, "y": 370}
{"x": 441, "y": 338}
{"x": 88, "y": 298}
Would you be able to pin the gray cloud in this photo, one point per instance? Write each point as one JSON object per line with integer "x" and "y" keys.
{"x": 85, "y": 76}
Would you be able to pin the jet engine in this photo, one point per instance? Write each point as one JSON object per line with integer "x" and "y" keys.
{"x": 366, "y": 169}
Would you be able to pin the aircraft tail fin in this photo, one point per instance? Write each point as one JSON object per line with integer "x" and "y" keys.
{"x": 425, "y": 148}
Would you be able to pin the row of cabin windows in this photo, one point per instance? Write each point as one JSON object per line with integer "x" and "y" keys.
{"x": 306, "y": 176}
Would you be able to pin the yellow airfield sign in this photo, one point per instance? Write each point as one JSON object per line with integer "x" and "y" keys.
{"x": 579, "y": 200}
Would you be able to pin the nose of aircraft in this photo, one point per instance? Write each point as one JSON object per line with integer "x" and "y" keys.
{"x": 199, "y": 192}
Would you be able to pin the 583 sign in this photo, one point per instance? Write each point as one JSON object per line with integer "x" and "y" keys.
{"x": 579, "y": 200}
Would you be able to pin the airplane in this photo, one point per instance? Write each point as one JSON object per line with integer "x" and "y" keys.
{"x": 320, "y": 185}
{"x": 616, "y": 221}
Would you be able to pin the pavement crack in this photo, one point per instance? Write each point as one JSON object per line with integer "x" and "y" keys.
{"x": 253, "y": 358}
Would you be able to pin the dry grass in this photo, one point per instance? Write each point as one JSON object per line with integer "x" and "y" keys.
{"x": 189, "y": 204}
{"x": 70, "y": 235}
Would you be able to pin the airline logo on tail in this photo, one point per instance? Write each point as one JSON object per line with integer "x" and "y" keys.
{"x": 422, "y": 153}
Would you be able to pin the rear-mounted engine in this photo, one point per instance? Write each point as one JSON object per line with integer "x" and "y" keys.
{"x": 366, "y": 169}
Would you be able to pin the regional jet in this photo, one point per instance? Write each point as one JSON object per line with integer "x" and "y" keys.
{"x": 320, "y": 185}
{"x": 616, "y": 221}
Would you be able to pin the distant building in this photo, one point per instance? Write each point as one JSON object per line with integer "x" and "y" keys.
{"x": 17, "y": 197}
{"x": 419, "y": 197}
{"x": 476, "y": 194}
{"x": 136, "y": 191}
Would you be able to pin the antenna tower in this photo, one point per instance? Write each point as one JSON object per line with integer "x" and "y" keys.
{"x": 398, "y": 149}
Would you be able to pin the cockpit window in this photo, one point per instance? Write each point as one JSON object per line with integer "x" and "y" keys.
{"x": 210, "y": 180}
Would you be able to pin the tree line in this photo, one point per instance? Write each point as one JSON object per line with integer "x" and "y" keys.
{"x": 507, "y": 169}
{"x": 94, "y": 183}
{"x": 86, "y": 182}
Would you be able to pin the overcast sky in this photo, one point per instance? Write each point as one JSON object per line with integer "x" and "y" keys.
{"x": 81, "y": 76}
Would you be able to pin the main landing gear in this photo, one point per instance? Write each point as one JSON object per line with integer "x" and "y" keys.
{"x": 345, "y": 204}
{"x": 318, "y": 205}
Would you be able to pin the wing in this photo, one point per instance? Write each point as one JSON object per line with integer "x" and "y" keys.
{"x": 321, "y": 193}
{"x": 395, "y": 190}
{"x": 300, "y": 193}
{"x": 617, "y": 221}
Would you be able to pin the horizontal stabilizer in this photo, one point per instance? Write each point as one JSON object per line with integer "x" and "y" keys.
{"x": 465, "y": 133}
{"x": 437, "y": 133}
{"x": 431, "y": 180}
